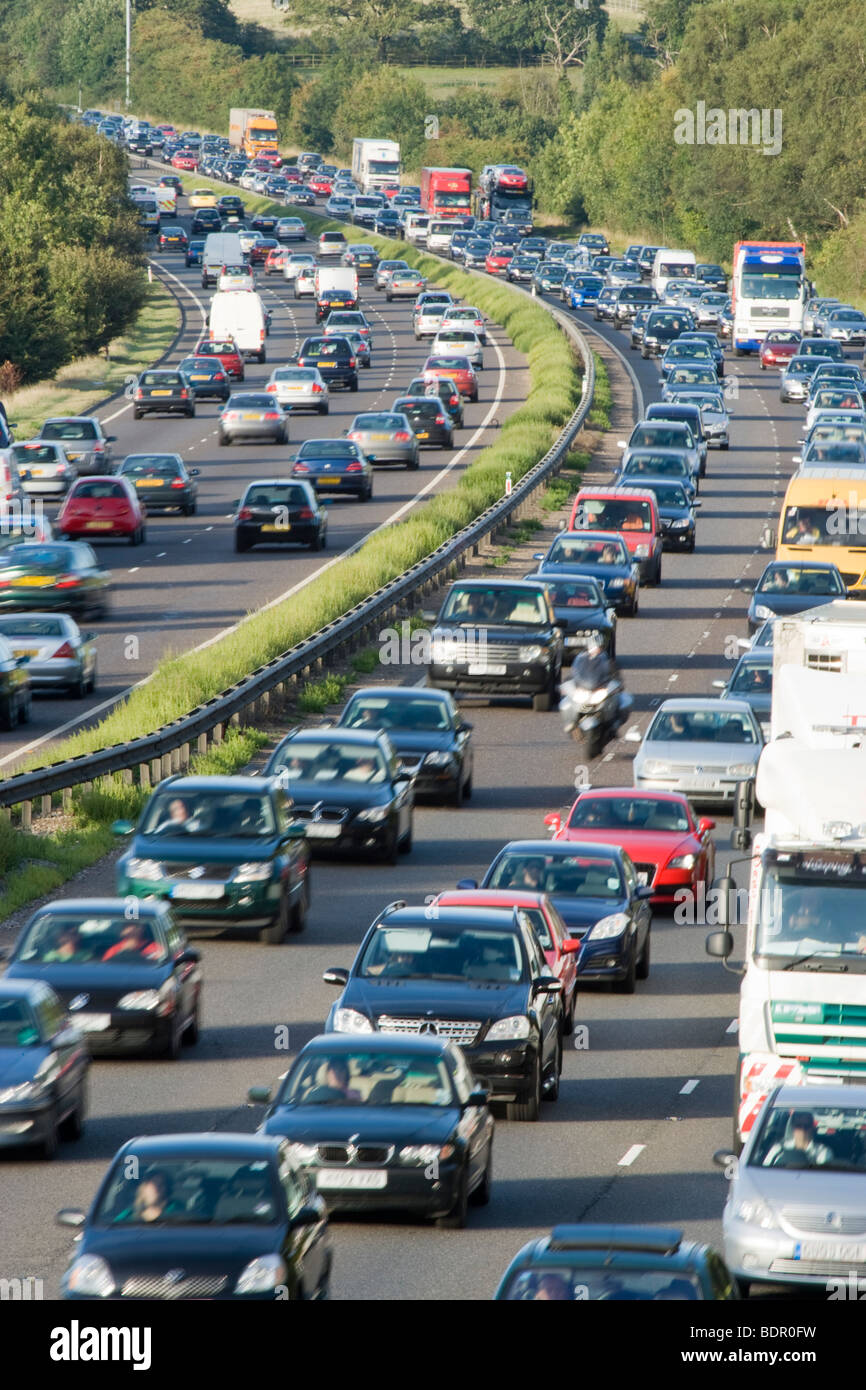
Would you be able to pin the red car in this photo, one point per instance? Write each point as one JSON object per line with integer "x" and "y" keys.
{"x": 778, "y": 348}
{"x": 271, "y": 159}
{"x": 670, "y": 849}
{"x": 560, "y": 949}
{"x": 458, "y": 369}
{"x": 389, "y": 189}
{"x": 226, "y": 350}
{"x": 497, "y": 261}
{"x": 104, "y": 506}
{"x": 630, "y": 511}
{"x": 185, "y": 159}
{"x": 276, "y": 259}
{"x": 321, "y": 186}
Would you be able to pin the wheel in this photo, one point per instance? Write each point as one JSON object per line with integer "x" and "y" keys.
{"x": 738, "y": 352}
{"x": 413, "y": 467}
{"x": 546, "y": 699}
{"x": 552, "y": 1092}
{"x": 136, "y": 414}
{"x": 354, "y": 385}
{"x": 642, "y": 969}
{"x": 133, "y": 539}
{"x": 467, "y": 788}
{"x": 323, "y": 410}
{"x": 223, "y": 441}
{"x": 73, "y": 1125}
{"x": 743, "y": 1287}
{"x": 298, "y": 918}
{"x": 275, "y": 933}
{"x": 633, "y": 611}
{"x": 171, "y": 1049}
{"x": 190, "y": 414}
{"x": 50, "y": 1144}
{"x": 527, "y": 1109}
{"x": 658, "y": 578}
{"x": 725, "y": 445}
{"x": 190, "y": 509}
{"x": 241, "y": 543}
{"x": 80, "y": 687}
{"x": 627, "y": 985}
{"x": 25, "y": 708}
{"x": 481, "y": 1196}
{"x": 192, "y": 1032}
{"x": 391, "y": 849}
{"x": 643, "y": 354}
{"x": 404, "y": 846}
{"x": 455, "y": 1219}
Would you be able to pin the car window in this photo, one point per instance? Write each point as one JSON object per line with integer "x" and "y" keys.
{"x": 99, "y": 491}
{"x": 217, "y": 814}
{"x": 18, "y": 1026}
{"x": 69, "y": 429}
{"x": 368, "y": 1077}
{"x": 575, "y": 875}
{"x": 382, "y": 712}
{"x": 472, "y": 953}
{"x": 326, "y": 761}
{"x": 701, "y": 726}
{"x": 328, "y": 449}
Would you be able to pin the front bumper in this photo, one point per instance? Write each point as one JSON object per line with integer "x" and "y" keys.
{"x": 355, "y": 838}
{"x": 775, "y": 1257}
{"x": 246, "y": 905}
{"x": 681, "y": 539}
{"x": 508, "y": 1068}
{"x": 604, "y": 960}
{"x": 519, "y": 678}
{"x": 130, "y": 1030}
{"x": 407, "y": 1188}
{"x": 28, "y": 1122}
{"x": 689, "y": 786}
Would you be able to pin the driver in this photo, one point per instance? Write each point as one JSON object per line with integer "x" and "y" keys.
{"x": 800, "y": 1146}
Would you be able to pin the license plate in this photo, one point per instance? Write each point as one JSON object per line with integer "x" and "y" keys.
{"x": 160, "y": 393}
{"x": 327, "y": 482}
{"x": 338, "y": 1179}
{"x": 323, "y": 364}
{"x": 323, "y": 830}
{"x": 92, "y": 1023}
{"x": 203, "y": 892}
{"x": 482, "y": 668}
{"x": 99, "y": 525}
{"x": 31, "y": 581}
{"x": 382, "y": 438}
{"x": 73, "y": 458}
{"x": 250, "y": 417}
{"x": 25, "y": 651}
{"x": 271, "y": 527}
{"x": 37, "y": 472}
{"x": 199, "y": 376}
{"x": 148, "y": 482}
{"x": 708, "y": 784}
{"x": 293, "y": 388}
{"x": 423, "y": 434}
{"x": 850, "y": 1253}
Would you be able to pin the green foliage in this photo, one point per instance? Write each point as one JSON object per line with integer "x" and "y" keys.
{"x": 558, "y": 30}
{"x": 386, "y": 24}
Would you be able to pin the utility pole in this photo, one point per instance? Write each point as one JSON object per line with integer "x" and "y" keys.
{"x": 128, "y": 46}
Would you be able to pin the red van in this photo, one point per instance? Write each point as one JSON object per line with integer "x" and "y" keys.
{"x": 633, "y": 513}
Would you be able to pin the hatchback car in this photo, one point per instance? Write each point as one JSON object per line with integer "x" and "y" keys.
{"x": 702, "y": 748}
{"x": 208, "y": 378}
{"x": 299, "y": 388}
{"x": 457, "y": 368}
{"x": 432, "y": 740}
{"x": 386, "y": 437}
{"x": 445, "y": 390}
{"x": 163, "y": 393}
{"x": 163, "y": 480}
{"x": 43, "y": 1069}
{"x": 784, "y": 589}
{"x": 43, "y": 468}
{"x": 290, "y": 229}
{"x": 600, "y": 555}
{"x": 107, "y": 507}
{"x": 59, "y": 655}
{"x": 56, "y": 576}
{"x": 273, "y": 511}
{"x": 252, "y": 415}
{"x": 225, "y": 351}
{"x": 86, "y": 444}
{"x": 581, "y": 611}
{"x": 333, "y": 358}
{"x": 429, "y": 420}
{"x": 335, "y": 467}
{"x": 331, "y": 244}
{"x": 453, "y": 337}
{"x": 384, "y": 270}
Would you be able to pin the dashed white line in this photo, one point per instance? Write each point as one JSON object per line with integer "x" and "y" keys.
{"x": 630, "y": 1155}
{"x": 733, "y": 1026}
{"x": 689, "y": 1087}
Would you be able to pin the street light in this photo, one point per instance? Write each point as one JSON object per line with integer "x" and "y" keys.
{"x": 128, "y": 46}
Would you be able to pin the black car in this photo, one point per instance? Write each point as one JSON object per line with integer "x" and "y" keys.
{"x": 273, "y": 511}
{"x": 677, "y": 506}
{"x": 432, "y": 740}
{"x": 171, "y": 239}
{"x": 335, "y": 299}
{"x": 497, "y": 637}
{"x": 129, "y": 980}
{"x": 388, "y": 223}
{"x": 596, "y": 892}
{"x": 162, "y": 481}
{"x": 393, "y": 1123}
{"x": 162, "y": 392}
{"x": 264, "y": 222}
{"x": 348, "y": 789}
{"x": 447, "y": 392}
{"x": 43, "y": 1069}
{"x": 475, "y": 976}
{"x": 581, "y": 611}
{"x": 601, "y": 555}
{"x": 683, "y": 414}
{"x": 206, "y": 220}
{"x": 201, "y": 1216}
{"x": 428, "y": 418}
{"x": 475, "y": 253}
{"x": 711, "y": 275}
{"x": 629, "y": 302}
{"x": 194, "y": 253}
{"x": 230, "y": 202}
{"x": 209, "y": 379}
{"x": 335, "y": 468}
{"x": 334, "y": 358}
{"x": 663, "y": 326}
{"x": 789, "y": 587}
{"x": 15, "y": 696}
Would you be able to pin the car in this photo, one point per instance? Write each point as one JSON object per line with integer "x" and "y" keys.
{"x": 58, "y": 655}
{"x": 399, "y": 1123}
{"x": 430, "y": 422}
{"x": 663, "y": 434}
{"x": 633, "y": 514}
{"x": 794, "y": 383}
{"x": 206, "y": 220}
{"x": 129, "y": 983}
{"x": 421, "y": 963}
{"x": 751, "y": 680}
{"x": 711, "y": 338}
{"x": 498, "y": 259}
{"x": 637, "y": 328}
{"x": 185, "y": 159}
{"x": 53, "y": 575}
{"x": 301, "y": 196}
{"x": 595, "y": 890}
{"x": 162, "y": 392}
{"x": 677, "y": 506}
{"x": 842, "y": 397}
{"x": 339, "y": 319}
{"x": 685, "y": 413}
{"x": 843, "y": 323}
{"x": 333, "y": 358}
{"x": 226, "y": 352}
{"x": 457, "y": 367}
{"x": 672, "y": 851}
{"x": 594, "y": 242}
{"x": 348, "y": 789}
{"x": 446, "y": 390}
{"x": 630, "y": 300}
{"x": 715, "y": 417}
{"x": 386, "y": 437}
{"x": 331, "y": 244}
{"x": 276, "y": 260}
{"x": 428, "y": 313}
{"x": 106, "y": 505}
{"x": 384, "y": 270}
{"x": 454, "y": 338}
{"x": 263, "y": 222}
{"x": 684, "y": 352}
{"x": 343, "y": 301}
{"x": 813, "y": 308}
{"x": 335, "y": 467}
{"x": 194, "y": 253}
{"x": 42, "y": 469}
{"x": 826, "y": 348}
{"x": 163, "y": 480}
{"x": 497, "y": 637}
{"x": 44, "y": 1066}
{"x": 585, "y": 290}
{"x": 171, "y": 239}
{"x": 581, "y": 611}
{"x": 261, "y": 250}
{"x": 362, "y": 258}
{"x": 84, "y": 441}
{"x": 339, "y": 205}
{"x": 237, "y": 1218}
{"x": 609, "y": 1263}
{"x": 663, "y": 326}
{"x": 599, "y": 555}
{"x": 274, "y": 511}
{"x": 202, "y": 198}
{"x": 359, "y": 345}
{"x": 404, "y": 284}
{"x": 432, "y": 740}
{"x": 604, "y": 305}
{"x": 699, "y": 374}
{"x": 290, "y": 229}
{"x": 207, "y": 377}
{"x": 784, "y": 589}
{"x": 701, "y": 747}
{"x": 247, "y": 240}
{"x": 299, "y": 388}
{"x": 252, "y": 415}
{"x": 521, "y": 269}
{"x": 548, "y": 276}
{"x": 475, "y": 253}
{"x": 231, "y": 202}
{"x": 465, "y": 316}
{"x": 296, "y": 261}
{"x": 320, "y": 185}
{"x": 647, "y": 465}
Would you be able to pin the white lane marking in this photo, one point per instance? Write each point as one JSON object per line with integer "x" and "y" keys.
{"x": 134, "y": 570}
{"x": 733, "y": 1026}
{"x": 689, "y": 1087}
{"x": 630, "y": 1155}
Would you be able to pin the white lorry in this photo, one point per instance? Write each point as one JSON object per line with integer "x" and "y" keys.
{"x": 375, "y": 163}
{"x": 803, "y": 994}
{"x": 239, "y": 314}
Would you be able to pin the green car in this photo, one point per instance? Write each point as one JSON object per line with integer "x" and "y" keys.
{"x": 616, "y": 1264}
{"x": 225, "y": 851}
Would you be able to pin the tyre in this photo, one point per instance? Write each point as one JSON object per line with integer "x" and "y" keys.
{"x": 223, "y": 441}
{"x": 546, "y": 699}
{"x": 51, "y": 1143}
{"x": 73, "y": 1125}
{"x": 481, "y": 1196}
{"x": 323, "y": 410}
{"x": 455, "y": 1219}
{"x": 642, "y": 969}
{"x": 353, "y": 386}
{"x": 80, "y": 687}
{"x": 190, "y": 509}
{"x": 743, "y": 1287}
{"x": 171, "y": 1049}
{"x": 467, "y": 788}
{"x": 276, "y": 932}
{"x": 527, "y": 1109}
{"x": 192, "y": 1032}
{"x": 298, "y": 918}
{"x": 242, "y": 543}
{"x": 552, "y": 1092}
{"x": 725, "y": 445}
{"x": 25, "y": 708}
{"x": 391, "y": 850}
{"x": 413, "y": 467}
{"x": 404, "y": 846}
{"x": 190, "y": 414}
{"x": 627, "y": 984}
{"x": 136, "y": 414}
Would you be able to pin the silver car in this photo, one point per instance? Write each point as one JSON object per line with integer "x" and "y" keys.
{"x": 294, "y": 262}
{"x": 383, "y": 270}
{"x": 813, "y": 308}
{"x": 663, "y": 434}
{"x": 715, "y": 416}
{"x": 305, "y": 283}
{"x": 845, "y": 324}
{"x": 43, "y": 468}
{"x": 794, "y": 385}
{"x": 700, "y": 747}
{"x": 86, "y": 444}
{"x": 428, "y": 313}
{"x": 462, "y": 340}
{"x": 59, "y": 655}
{"x": 252, "y": 415}
{"x": 386, "y": 437}
{"x": 299, "y": 388}
{"x": 796, "y": 1207}
{"x": 466, "y": 316}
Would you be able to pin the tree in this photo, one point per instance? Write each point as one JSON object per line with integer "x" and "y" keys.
{"x": 385, "y": 22}
{"x": 664, "y": 27}
{"x": 557, "y": 30}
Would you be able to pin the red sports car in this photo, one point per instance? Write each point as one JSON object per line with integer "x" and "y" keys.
{"x": 560, "y": 949}
{"x": 498, "y": 261}
{"x": 320, "y": 185}
{"x": 458, "y": 369}
{"x": 226, "y": 350}
{"x": 778, "y": 348}
{"x": 185, "y": 159}
{"x": 670, "y": 849}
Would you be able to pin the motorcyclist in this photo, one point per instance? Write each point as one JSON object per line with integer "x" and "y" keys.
{"x": 592, "y": 667}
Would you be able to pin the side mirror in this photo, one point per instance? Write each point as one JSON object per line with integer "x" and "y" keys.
{"x": 122, "y": 827}
{"x": 720, "y": 944}
{"x": 621, "y": 444}
{"x": 464, "y": 727}
{"x": 428, "y": 616}
{"x": 296, "y": 831}
{"x": 697, "y": 502}
{"x": 308, "y": 1216}
{"x": 480, "y": 1096}
{"x": 705, "y": 826}
{"x": 796, "y": 458}
{"x": 718, "y": 685}
{"x": 727, "y": 888}
{"x": 22, "y": 660}
{"x": 727, "y": 1159}
{"x": 259, "y": 1095}
{"x": 467, "y": 883}
{"x": 70, "y": 1216}
{"x": 571, "y": 945}
{"x": 336, "y": 975}
{"x": 188, "y": 956}
{"x": 193, "y": 472}
{"x": 547, "y": 984}
{"x": 644, "y": 893}
{"x": 553, "y": 820}
{"x": 538, "y": 556}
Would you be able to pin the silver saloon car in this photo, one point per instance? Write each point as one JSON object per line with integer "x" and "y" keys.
{"x": 386, "y": 437}
{"x": 700, "y": 747}
{"x": 59, "y": 655}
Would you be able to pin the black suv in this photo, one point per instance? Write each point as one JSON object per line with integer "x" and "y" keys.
{"x": 497, "y": 637}
{"x": 334, "y": 358}
{"x": 476, "y": 976}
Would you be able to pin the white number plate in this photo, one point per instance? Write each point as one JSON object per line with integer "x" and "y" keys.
{"x": 91, "y": 1023}
{"x": 323, "y": 830}
{"x": 207, "y": 892}
{"x": 482, "y": 668}
{"x": 340, "y": 1179}
{"x": 840, "y": 1252}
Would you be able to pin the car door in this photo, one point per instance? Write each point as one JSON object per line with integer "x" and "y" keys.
{"x": 294, "y": 855}
{"x": 68, "y": 1054}
{"x": 462, "y": 741}
{"x": 639, "y": 908}
{"x": 306, "y": 1242}
{"x": 547, "y": 1007}
{"x": 187, "y": 972}
{"x": 476, "y": 1124}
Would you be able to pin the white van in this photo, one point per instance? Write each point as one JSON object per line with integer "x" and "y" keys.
{"x": 439, "y": 234}
{"x": 239, "y": 314}
{"x": 671, "y": 265}
{"x": 220, "y": 248}
{"x": 415, "y": 227}
{"x": 166, "y": 199}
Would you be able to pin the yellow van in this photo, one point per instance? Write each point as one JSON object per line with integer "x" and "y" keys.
{"x": 823, "y": 518}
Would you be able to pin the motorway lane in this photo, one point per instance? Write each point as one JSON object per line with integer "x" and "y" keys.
{"x": 185, "y": 585}
{"x": 624, "y": 1142}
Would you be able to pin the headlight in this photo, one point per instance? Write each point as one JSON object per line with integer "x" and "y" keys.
{"x": 25, "y": 1090}
{"x": 652, "y": 767}
{"x": 762, "y": 613}
{"x": 741, "y": 769}
{"x": 679, "y": 525}
{"x": 642, "y": 552}
{"x": 756, "y": 1213}
{"x": 374, "y": 814}
{"x": 683, "y": 861}
{"x": 425, "y": 1153}
{"x": 253, "y": 872}
{"x": 263, "y": 1273}
{"x": 89, "y": 1274}
{"x": 509, "y": 1029}
{"x": 144, "y": 868}
{"x": 141, "y": 999}
{"x": 614, "y": 925}
{"x": 350, "y": 1021}
{"x": 303, "y": 1153}
{"x": 616, "y": 583}
{"x": 533, "y": 653}
{"x": 438, "y": 759}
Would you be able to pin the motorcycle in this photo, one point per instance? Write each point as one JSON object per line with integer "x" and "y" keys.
{"x": 593, "y": 717}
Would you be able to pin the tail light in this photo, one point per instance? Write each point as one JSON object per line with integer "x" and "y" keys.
{"x": 453, "y": 400}
{"x": 299, "y": 467}
{"x": 178, "y": 482}
{"x": 261, "y": 335}
{"x": 64, "y": 652}
{"x": 271, "y": 415}
{"x": 354, "y": 467}
{"x": 402, "y": 436}
{"x": 317, "y": 389}
{"x": 219, "y": 376}
{"x": 245, "y": 514}
{"x": 68, "y": 581}
{"x": 305, "y": 514}
{"x": 351, "y": 361}
{"x": 271, "y": 386}
{"x": 138, "y": 393}
{"x": 184, "y": 393}
{"x": 440, "y": 419}
{"x": 354, "y": 434}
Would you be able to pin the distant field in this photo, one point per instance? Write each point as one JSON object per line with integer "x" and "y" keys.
{"x": 261, "y": 12}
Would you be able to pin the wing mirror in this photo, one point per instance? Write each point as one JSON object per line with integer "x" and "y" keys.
{"x": 553, "y": 821}
{"x": 336, "y": 975}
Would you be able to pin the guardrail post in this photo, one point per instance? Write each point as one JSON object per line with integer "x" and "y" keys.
{"x": 155, "y": 770}
{"x": 218, "y": 732}
{"x": 45, "y": 806}
{"x": 144, "y": 775}
{"x": 166, "y": 765}
{"x": 201, "y": 744}
{"x": 185, "y": 755}
{"x": 87, "y": 787}
{"x": 235, "y": 720}
{"x": 265, "y": 702}
{"x": 126, "y": 776}
{"x": 26, "y": 814}
{"x": 67, "y": 798}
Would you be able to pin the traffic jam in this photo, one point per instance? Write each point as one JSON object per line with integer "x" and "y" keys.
{"x": 409, "y": 974}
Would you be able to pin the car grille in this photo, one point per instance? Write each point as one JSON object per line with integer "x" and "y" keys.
{"x": 160, "y": 1286}
{"x": 327, "y": 813}
{"x": 813, "y": 1222}
{"x": 370, "y": 1155}
{"x": 456, "y": 1030}
{"x": 708, "y": 769}
{"x": 211, "y": 871}
{"x": 824, "y": 1269}
{"x": 481, "y": 651}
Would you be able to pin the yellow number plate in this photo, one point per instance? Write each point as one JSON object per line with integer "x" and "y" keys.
{"x": 99, "y": 525}
{"x": 148, "y": 482}
{"x": 270, "y": 526}
{"x": 327, "y": 481}
{"x": 32, "y": 581}
{"x": 160, "y": 393}
{"x": 250, "y": 417}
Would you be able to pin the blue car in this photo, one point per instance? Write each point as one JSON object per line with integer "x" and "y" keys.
{"x": 194, "y": 253}
{"x": 585, "y": 290}
{"x": 601, "y": 555}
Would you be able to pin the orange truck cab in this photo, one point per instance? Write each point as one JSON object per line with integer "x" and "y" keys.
{"x": 632, "y": 512}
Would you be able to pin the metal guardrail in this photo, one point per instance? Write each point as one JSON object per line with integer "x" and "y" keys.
{"x": 170, "y": 748}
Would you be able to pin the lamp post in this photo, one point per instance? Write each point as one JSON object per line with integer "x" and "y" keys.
{"x": 128, "y": 46}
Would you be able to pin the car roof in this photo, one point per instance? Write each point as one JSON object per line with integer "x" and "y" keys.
{"x": 499, "y": 583}
{"x": 403, "y": 692}
{"x": 364, "y": 738}
{"x": 564, "y": 849}
{"x": 419, "y": 916}
{"x": 492, "y": 897}
{"x": 799, "y": 565}
{"x": 800, "y": 1098}
{"x": 705, "y": 703}
{"x": 148, "y": 908}
{"x": 589, "y": 531}
{"x": 191, "y": 1145}
{"x": 202, "y": 784}
{"x": 383, "y": 1042}
{"x": 640, "y": 793}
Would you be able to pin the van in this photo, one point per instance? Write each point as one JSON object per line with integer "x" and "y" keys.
{"x": 338, "y": 279}
{"x": 630, "y": 511}
{"x": 671, "y": 265}
{"x": 823, "y": 518}
{"x": 415, "y": 226}
{"x": 439, "y": 234}
{"x": 239, "y": 314}
{"x": 220, "y": 248}
{"x": 148, "y": 214}
{"x": 166, "y": 199}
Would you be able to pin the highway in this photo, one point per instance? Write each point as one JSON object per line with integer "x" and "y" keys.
{"x": 186, "y": 585}
{"x": 647, "y": 1100}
